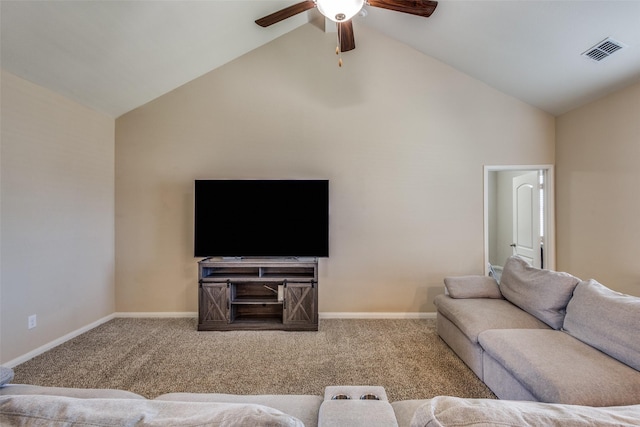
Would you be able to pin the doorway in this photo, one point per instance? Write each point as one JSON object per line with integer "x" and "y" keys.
{"x": 519, "y": 215}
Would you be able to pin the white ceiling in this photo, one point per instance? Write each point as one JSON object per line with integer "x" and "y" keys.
{"x": 114, "y": 56}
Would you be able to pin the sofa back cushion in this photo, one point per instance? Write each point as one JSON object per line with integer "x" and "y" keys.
{"x": 541, "y": 293}
{"x": 606, "y": 320}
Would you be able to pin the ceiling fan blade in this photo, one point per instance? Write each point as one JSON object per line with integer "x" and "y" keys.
{"x": 422, "y": 8}
{"x": 346, "y": 37}
{"x": 285, "y": 13}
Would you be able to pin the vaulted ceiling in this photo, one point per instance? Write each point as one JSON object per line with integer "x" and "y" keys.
{"x": 114, "y": 56}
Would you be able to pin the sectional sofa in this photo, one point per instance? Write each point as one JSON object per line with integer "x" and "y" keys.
{"x": 542, "y": 335}
{"x": 341, "y": 406}
{"x": 556, "y": 350}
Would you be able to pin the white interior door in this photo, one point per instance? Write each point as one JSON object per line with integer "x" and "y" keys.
{"x": 526, "y": 218}
{"x": 498, "y": 238}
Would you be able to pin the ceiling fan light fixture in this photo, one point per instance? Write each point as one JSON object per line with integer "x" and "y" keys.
{"x": 339, "y": 10}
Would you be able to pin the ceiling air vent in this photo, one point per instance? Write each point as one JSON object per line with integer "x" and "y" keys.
{"x": 604, "y": 49}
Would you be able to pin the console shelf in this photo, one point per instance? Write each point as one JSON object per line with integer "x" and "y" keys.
{"x": 258, "y": 294}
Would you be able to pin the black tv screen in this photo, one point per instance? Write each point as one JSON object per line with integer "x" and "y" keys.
{"x": 261, "y": 218}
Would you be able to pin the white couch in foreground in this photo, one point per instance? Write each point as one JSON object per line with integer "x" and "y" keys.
{"x": 28, "y": 405}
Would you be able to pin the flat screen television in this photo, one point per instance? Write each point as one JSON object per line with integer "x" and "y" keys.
{"x": 261, "y": 218}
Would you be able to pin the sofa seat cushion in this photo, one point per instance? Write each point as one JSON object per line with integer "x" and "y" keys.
{"x": 454, "y": 411}
{"x": 303, "y": 407}
{"x": 474, "y": 315}
{"x": 542, "y": 293}
{"x": 51, "y": 411}
{"x": 556, "y": 367}
{"x": 606, "y": 320}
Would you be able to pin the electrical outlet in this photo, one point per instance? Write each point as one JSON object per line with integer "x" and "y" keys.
{"x": 32, "y": 321}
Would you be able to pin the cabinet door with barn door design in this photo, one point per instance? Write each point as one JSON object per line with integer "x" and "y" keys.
{"x": 300, "y": 303}
{"x": 214, "y": 303}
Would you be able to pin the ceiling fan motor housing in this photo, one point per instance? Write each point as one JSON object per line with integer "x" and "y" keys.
{"x": 339, "y": 10}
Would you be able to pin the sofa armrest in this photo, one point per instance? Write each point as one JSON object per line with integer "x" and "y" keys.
{"x": 474, "y": 286}
{"x": 356, "y": 407}
{"x": 6, "y": 375}
{"x": 79, "y": 393}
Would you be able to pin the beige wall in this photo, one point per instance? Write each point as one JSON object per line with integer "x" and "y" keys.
{"x": 597, "y": 191}
{"x": 57, "y": 216}
{"x": 401, "y": 137}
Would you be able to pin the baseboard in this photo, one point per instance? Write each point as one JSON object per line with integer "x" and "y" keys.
{"x": 323, "y": 315}
{"x": 366, "y": 315}
{"x": 38, "y": 351}
{"x": 152, "y": 314}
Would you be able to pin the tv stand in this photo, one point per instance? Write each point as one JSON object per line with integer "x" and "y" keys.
{"x": 258, "y": 294}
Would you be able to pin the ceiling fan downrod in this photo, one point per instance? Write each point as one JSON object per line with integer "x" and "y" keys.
{"x": 338, "y": 51}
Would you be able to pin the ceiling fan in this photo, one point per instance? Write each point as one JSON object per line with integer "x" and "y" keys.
{"x": 341, "y": 12}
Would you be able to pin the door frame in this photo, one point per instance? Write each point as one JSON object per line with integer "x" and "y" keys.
{"x": 549, "y": 210}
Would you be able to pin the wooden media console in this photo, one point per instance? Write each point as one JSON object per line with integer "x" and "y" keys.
{"x": 258, "y": 294}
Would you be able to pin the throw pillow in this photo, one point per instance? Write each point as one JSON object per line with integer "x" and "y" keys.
{"x": 39, "y": 410}
{"x": 541, "y": 293}
{"x": 455, "y": 411}
{"x": 6, "y": 375}
{"x": 605, "y": 319}
{"x": 472, "y": 287}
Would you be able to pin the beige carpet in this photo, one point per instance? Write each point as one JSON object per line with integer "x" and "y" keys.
{"x": 155, "y": 356}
